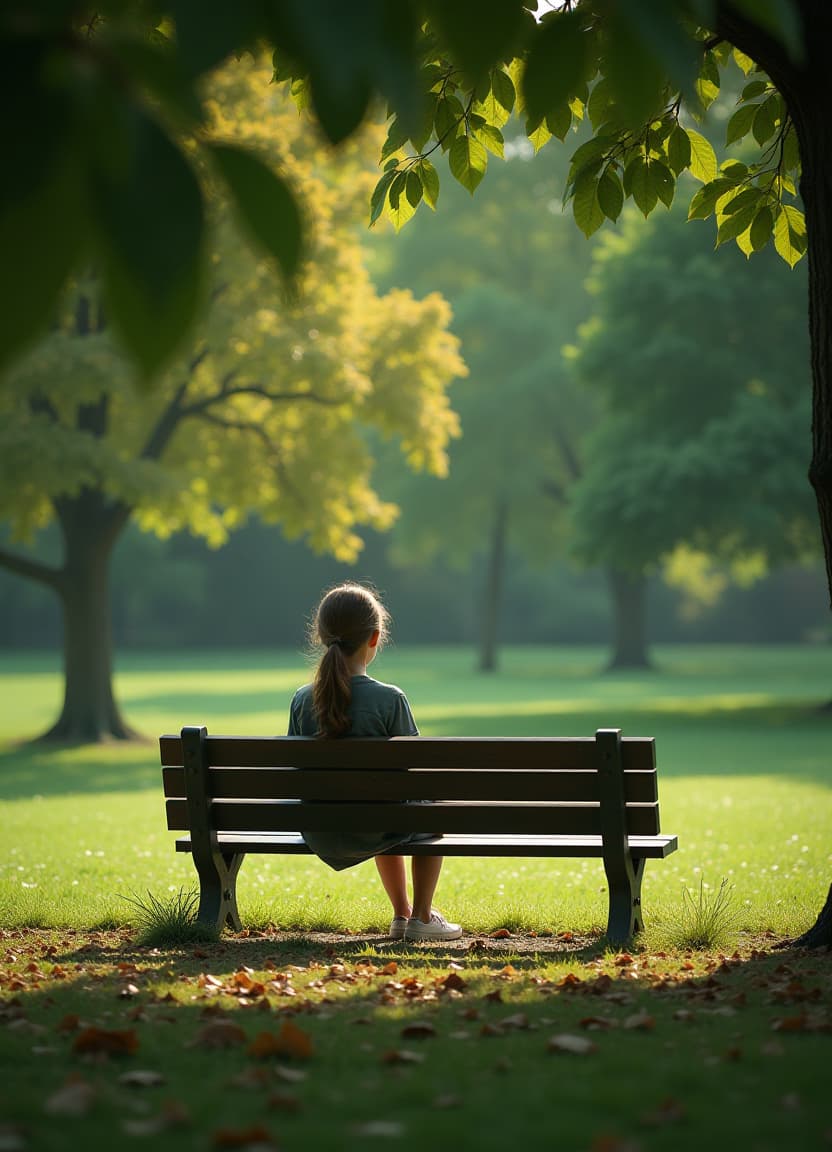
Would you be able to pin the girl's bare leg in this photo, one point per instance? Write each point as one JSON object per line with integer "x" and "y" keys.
{"x": 425, "y": 871}
{"x": 391, "y": 869}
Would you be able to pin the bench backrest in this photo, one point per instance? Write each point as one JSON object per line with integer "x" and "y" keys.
{"x": 513, "y": 785}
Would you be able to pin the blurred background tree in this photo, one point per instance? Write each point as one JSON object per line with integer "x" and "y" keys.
{"x": 265, "y": 412}
{"x": 699, "y": 361}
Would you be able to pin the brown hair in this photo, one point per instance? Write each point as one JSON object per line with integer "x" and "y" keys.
{"x": 345, "y": 619}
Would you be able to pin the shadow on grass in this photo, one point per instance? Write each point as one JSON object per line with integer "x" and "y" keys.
{"x": 694, "y": 737}
{"x": 502, "y": 1051}
{"x": 29, "y": 770}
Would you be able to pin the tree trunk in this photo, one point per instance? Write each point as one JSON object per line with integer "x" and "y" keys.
{"x": 804, "y": 85}
{"x": 629, "y": 602}
{"x": 494, "y": 589}
{"x": 90, "y": 713}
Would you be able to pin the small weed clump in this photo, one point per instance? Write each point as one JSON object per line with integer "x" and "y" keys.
{"x": 169, "y": 922}
{"x": 707, "y": 920}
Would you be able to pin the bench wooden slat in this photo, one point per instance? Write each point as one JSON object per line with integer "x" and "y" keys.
{"x": 527, "y": 752}
{"x": 446, "y": 816}
{"x": 415, "y": 784}
{"x": 290, "y": 843}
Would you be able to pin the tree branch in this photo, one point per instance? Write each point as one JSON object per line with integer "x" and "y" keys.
{"x": 197, "y": 407}
{"x": 171, "y": 417}
{"x": 31, "y": 569}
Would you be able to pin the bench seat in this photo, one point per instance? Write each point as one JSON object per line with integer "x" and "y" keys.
{"x": 497, "y": 796}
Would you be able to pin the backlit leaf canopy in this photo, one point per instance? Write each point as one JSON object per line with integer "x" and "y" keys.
{"x": 105, "y": 161}
{"x": 266, "y": 410}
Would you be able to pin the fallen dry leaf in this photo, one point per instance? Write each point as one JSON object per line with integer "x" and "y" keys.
{"x": 669, "y": 1111}
{"x": 74, "y": 1098}
{"x": 500, "y": 934}
{"x": 389, "y": 969}
{"x": 419, "y": 1030}
{"x": 383, "y": 1128}
{"x": 290, "y": 1075}
{"x": 173, "y": 1114}
{"x": 11, "y": 1139}
{"x": 219, "y": 1034}
{"x": 453, "y": 982}
{"x": 623, "y": 959}
{"x": 519, "y": 1020}
{"x": 641, "y": 1022}
{"x": 256, "y": 1135}
{"x": 141, "y": 1078}
{"x": 575, "y": 1045}
{"x": 290, "y": 1041}
{"x": 105, "y": 1042}
{"x": 402, "y": 1056}
{"x": 284, "y": 1102}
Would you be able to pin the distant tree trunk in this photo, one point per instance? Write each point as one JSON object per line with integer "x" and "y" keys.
{"x": 494, "y": 589}
{"x": 804, "y": 84}
{"x": 90, "y": 714}
{"x": 629, "y": 602}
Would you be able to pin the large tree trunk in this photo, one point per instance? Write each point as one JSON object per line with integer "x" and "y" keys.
{"x": 89, "y": 714}
{"x": 629, "y": 602}
{"x": 805, "y": 87}
{"x": 494, "y": 589}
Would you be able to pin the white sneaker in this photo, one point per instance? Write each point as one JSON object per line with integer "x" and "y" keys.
{"x": 397, "y": 927}
{"x": 437, "y": 928}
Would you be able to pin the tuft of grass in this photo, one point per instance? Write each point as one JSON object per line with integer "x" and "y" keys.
{"x": 169, "y": 922}
{"x": 706, "y": 920}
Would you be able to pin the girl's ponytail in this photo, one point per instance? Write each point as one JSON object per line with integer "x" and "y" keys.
{"x": 332, "y": 692}
{"x": 346, "y": 618}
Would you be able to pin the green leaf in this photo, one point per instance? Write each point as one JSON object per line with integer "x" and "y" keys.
{"x": 150, "y": 217}
{"x": 744, "y": 62}
{"x": 764, "y": 124}
{"x": 638, "y": 176}
{"x": 468, "y": 161}
{"x": 589, "y": 215}
{"x": 413, "y": 188}
{"x": 208, "y": 34}
{"x": 741, "y": 200}
{"x": 479, "y": 33}
{"x": 559, "y": 121}
{"x": 761, "y": 228}
{"x": 599, "y": 101}
{"x": 610, "y": 194}
{"x": 397, "y": 137}
{"x": 379, "y": 196}
{"x": 740, "y": 123}
{"x": 556, "y": 62}
{"x": 754, "y": 89}
{"x": 42, "y": 235}
{"x": 703, "y": 165}
{"x": 678, "y": 149}
{"x": 430, "y": 183}
{"x": 449, "y": 115}
{"x": 538, "y": 132}
{"x": 400, "y": 209}
{"x": 704, "y": 201}
{"x": 732, "y": 226}
{"x": 264, "y": 204}
{"x": 636, "y": 76}
{"x": 492, "y": 138}
{"x": 663, "y": 182}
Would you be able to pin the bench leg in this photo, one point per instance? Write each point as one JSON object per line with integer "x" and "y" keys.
{"x": 218, "y": 890}
{"x": 625, "y": 917}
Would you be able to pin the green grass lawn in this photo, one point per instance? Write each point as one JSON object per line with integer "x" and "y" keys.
{"x": 458, "y": 1046}
{"x": 742, "y": 753}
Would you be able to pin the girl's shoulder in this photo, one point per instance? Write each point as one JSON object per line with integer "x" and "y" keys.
{"x": 376, "y": 687}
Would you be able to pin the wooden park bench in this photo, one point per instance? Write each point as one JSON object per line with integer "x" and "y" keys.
{"x": 504, "y": 796}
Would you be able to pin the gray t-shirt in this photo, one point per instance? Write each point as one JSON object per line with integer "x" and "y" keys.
{"x": 376, "y": 709}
